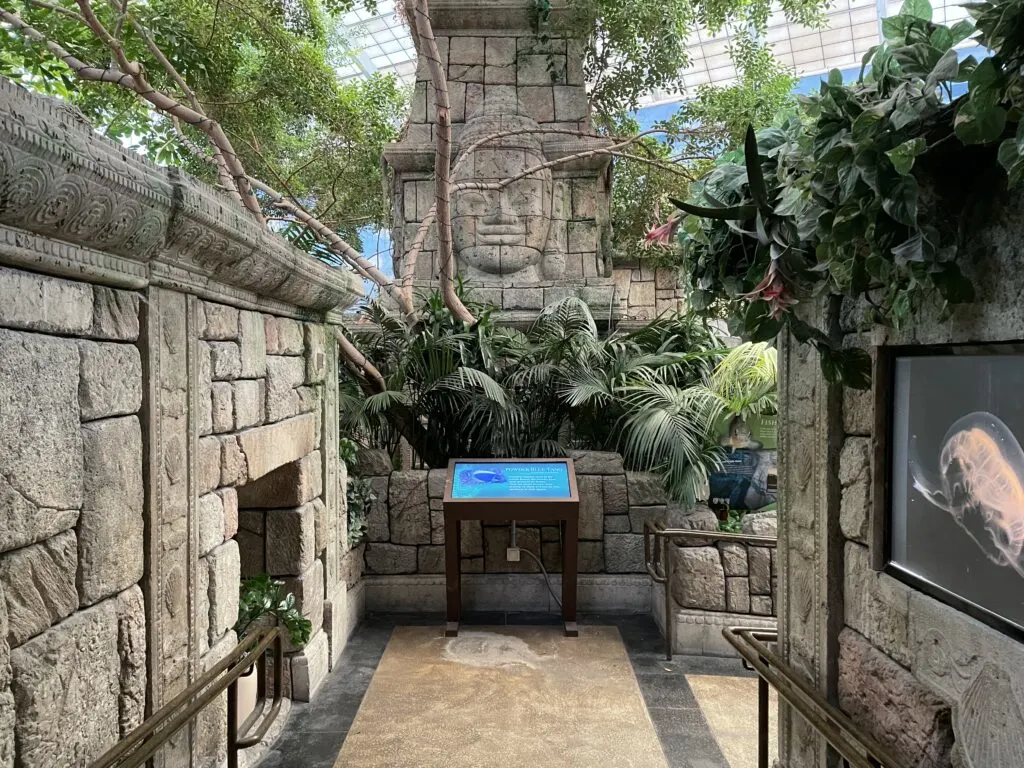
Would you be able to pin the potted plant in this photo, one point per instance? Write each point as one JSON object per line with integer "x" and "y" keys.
{"x": 261, "y": 604}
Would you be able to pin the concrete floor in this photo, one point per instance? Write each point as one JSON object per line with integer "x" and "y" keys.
{"x": 317, "y": 733}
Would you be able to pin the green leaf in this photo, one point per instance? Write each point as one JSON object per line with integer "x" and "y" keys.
{"x": 979, "y": 124}
{"x": 920, "y": 9}
{"x": 899, "y": 200}
{"x": 961, "y": 31}
{"x": 909, "y": 250}
{"x": 728, "y": 213}
{"x": 754, "y": 175}
{"x": 946, "y": 69}
{"x": 758, "y": 323}
{"x": 903, "y": 156}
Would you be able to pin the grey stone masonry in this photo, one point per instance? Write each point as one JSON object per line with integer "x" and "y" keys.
{"x": 405, "y": 525}
{"x": 161, "y": 350}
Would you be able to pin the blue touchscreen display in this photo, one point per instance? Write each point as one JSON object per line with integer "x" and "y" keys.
{"x": 511, "y": 480}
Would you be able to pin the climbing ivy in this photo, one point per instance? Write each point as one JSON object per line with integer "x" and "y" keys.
{"x": 865, "y": 191}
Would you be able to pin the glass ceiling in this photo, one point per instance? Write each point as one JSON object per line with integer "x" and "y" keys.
{"x": 381, "y": 43}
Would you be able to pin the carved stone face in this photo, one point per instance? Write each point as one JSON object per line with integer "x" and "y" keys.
{"x": 501, "y": 233}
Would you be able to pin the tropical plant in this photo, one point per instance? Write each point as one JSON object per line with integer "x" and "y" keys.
{"x": 359, "y": 496}
{"x": 869, "y": 196}
{"x": 260, "y": 598}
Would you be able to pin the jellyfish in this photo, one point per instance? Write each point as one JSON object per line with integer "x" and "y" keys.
{"x": 981, "y": 484}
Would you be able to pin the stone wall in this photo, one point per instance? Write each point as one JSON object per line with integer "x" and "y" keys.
{"x": 168, "y": 375}
{"x": 406, "y": 524}
{"x": 935, "y": 685}
{"x": 503, "y": 77}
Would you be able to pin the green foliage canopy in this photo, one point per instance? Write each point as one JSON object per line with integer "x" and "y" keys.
{"x": 261, "y": 68}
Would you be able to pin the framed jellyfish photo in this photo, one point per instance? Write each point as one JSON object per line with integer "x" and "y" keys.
{"x": 954, "y": 522}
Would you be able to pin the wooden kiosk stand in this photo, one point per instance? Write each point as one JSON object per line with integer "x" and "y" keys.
{"x": 506, "y": 490}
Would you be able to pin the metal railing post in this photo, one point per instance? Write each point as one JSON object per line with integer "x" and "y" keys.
{"x": 233, "y": 724}
{"x": 762, "y": 722}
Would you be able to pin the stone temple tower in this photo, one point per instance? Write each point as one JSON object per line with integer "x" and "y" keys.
{"x": 547, "y": 235}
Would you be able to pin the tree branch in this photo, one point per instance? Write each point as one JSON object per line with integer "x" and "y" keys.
{"x": 442, "y": 164}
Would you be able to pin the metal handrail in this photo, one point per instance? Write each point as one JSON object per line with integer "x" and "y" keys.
{"x": 855, "y": 747}
{"x": 659, "y": 565}
{"x": 143, "y": 742}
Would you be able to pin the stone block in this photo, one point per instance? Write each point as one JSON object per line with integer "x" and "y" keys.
{"x": 229, "y": 505}
{"x": 496, "y": 543}
{"x": 38, "y": 586}
{"x": 284, "y": 375}
{"x": 233, "y": 468}
{"x": 208, "y": 464}
{"x": 645, "y": 489}
{"x": 460, "y": 73}
{"x": 291, "y": 540}
{"x": 211, "y": 522}
{"x": 892, "y": 706}
{"x": 596, "y": 463}
{"x": 734, "y": 558}
{"x": 498, "y": 75}
{"x": 583, "y": 238}
{"x": 378, "y": 526}
{"x": 500, "y": 51}
{"x": 385, "y": 559}
{"x": 551, "y": 555}
{"x": 252, "y": 345}
{"x": 616, "y": 523}
{"x": 269, "y": 447}
{"x": 570, "y": 103}
{"x": 221, "y": 322}
{"x": 222, "y": 407}
{"x": 875, "y": 604}
{"x": 761, "y": 524}
{"x": 760, "y": 570}
{"x": 319, "y": 525}
{"x": 858, "y": 411}
{"x": 737, "y": 594}
{"x": 624, "y": 553}
{"x": 590, "y": 555}
{"x": 45, "y": 304}
{"x": 466, "y": 50}
{"x": 522, "y": 298}
{"x": 115, "y": 314}
{"x": 7, "y": 719}
{"x": 249, "y": 400}
{"x": 316, "y": 353}
{"x": 41, "y": 462}
{"x": 698, "y": 579}
{"x": 471, "y": 539}
{"x": 111, "y": 380}
{"x": 591, "y": 490}
{"x": 283, "y": 335}
{"x": 855, "y": 479}
{"x": 310, "y": 666}
{"x": 409, "y": 508}
{"x": 225, "y": 360}
{"x": 287, "y": 486}
{"x": 225, "y": 577}
{"x": 251, "y": 553}
{"x": 436, "y": 524}
{"x": 699, "y": 519}
{"x": 430, "y": 559}
{"x": 131, "y": 652}
{"x": 638, "y": 516}
{"x": 641, "y": 294}
{"x": 352, "y": 564}
{"x": 66, "y": 690}
{"x": 616, "y": 498}
{"x": 372, "y": 462}
{"x": 203, "y": 393}
{"x": 110, "y": 527}
{"x": 436, "y": 480}
{"x": 584, "y": 200}
{"x": 540, "y": 69}
{"x": 336, "y": 622}
{"x": 539, "y": 102}
{"x": 762, "y": 605}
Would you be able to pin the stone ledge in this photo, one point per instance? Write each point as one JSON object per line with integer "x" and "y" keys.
{"x": 699, "y": 633}
{"x": 118, "y": 215}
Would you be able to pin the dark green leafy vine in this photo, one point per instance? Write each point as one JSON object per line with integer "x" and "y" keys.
{"x": 864, "y": 192}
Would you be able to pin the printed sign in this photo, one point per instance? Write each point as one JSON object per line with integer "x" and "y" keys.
{"x": 511, "y": 480}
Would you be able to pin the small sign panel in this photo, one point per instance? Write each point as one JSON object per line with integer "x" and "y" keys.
{"x": 511, "y": 480}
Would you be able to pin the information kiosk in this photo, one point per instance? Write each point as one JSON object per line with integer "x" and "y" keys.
{"x": 506, "y": 490}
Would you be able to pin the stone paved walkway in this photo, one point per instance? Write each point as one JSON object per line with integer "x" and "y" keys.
{"x": 316, "y": 732}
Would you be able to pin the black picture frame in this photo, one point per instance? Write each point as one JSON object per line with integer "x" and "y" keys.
{"x": 890, "y": 458}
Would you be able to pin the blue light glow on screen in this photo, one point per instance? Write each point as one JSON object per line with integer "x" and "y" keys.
{"x": 511, "y": 480}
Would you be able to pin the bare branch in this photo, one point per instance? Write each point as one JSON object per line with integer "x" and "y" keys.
{"x": 442, "y": 164}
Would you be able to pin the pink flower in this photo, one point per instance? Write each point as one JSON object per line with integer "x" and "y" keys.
{"x": 663, "y": 235}
{"x": 774, "y": 290}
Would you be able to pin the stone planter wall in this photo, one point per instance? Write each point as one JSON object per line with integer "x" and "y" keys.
{"x": 725, "y": 577}
{"x": 936, "y": 686}
{"x": 168, "y": 422}
{"x": 406, "y": 523}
